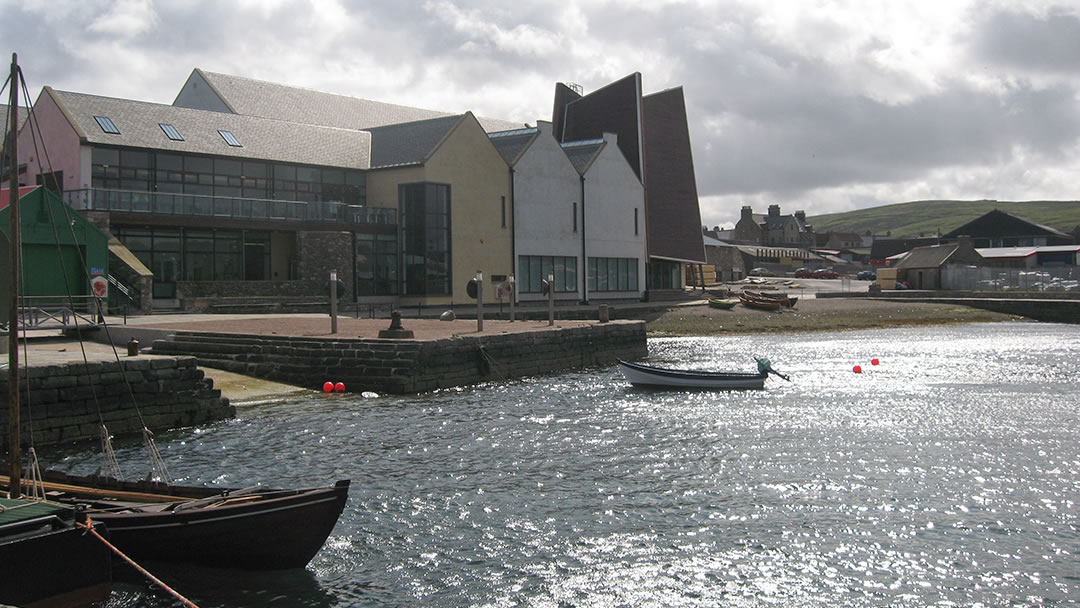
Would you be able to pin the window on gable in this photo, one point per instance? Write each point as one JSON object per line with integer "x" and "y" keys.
{"x": 171, "y": 132}
{"x": 107, "y": 125}
{"x": 230, "y": 138}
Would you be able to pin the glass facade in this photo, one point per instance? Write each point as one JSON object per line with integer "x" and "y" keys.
{"x": 533, "y": 269}
{"x": 665, "y": 275}
{"x": 425, "y": 233}
{"x": 174, "y": 254}
{"x": 613, "y": 274}
{"x": 168, "y": 172}
{"x": 376, "y": 264}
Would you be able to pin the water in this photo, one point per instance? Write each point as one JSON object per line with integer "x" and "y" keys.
{"x": 947, "y": 475}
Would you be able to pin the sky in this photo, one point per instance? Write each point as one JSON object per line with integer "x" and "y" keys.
{"x": 822, "y": 106}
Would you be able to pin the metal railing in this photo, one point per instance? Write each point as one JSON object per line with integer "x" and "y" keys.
{"x": 57, "y": 312}
{"x": 986, "y": 278}
{"x": 197, "y": 205}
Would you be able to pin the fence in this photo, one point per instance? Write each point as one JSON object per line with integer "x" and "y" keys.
{"x": 983, "y": 278}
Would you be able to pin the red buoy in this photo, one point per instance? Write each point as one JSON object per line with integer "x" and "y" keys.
{"x": 339, "y": 387}
{"x": 874, "y": 362}
{"x": 328, "y": 387}
{"x": 857, "y": 369}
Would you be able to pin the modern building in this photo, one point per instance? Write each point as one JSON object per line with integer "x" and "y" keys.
{"x": 246, "y": 190}
{"x": 653, "y": 134}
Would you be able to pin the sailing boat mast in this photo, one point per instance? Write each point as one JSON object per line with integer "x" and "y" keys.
{"x": 14, "y": 441}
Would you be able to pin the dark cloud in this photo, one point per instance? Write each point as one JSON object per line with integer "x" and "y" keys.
{"x": 1014, "y": 39}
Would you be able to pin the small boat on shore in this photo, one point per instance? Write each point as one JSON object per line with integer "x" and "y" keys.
{"x": 724, "y": 304}
{"x": 660, "y": 377}
{"x": 752, "y": 301}
{"x": 783, "y": 298}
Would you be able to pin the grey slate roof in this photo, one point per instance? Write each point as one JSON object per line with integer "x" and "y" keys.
{"x": 261, "y": 138}
{"x": 582, "y": 153}
{"x": 928, "y": 257}
{"x": 511, "y": 144}
{"x": 409, "y": 143}
{"x": 272, "y": 100}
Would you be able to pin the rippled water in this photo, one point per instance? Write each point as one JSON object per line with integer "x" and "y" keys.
{"x": 946, "y": 475}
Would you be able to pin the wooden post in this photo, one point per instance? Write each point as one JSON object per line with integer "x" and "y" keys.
{"x": 513, "y": 295}
{"x": 14, "y": 440}
{"x": 333, "y": 301}
{"x": 479, "y": 301}
{"x": 551, "y": 298}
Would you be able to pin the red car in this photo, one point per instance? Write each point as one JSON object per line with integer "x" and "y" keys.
{"x": 803, "y": 273}
{"x": 826, "y": 273}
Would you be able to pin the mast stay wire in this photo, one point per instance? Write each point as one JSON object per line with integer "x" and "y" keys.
{"x": 158, "y": 465}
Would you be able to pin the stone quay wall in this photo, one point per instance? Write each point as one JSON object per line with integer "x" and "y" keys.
{"x": 411, "y": 366}
{"x": 65, "y": 400}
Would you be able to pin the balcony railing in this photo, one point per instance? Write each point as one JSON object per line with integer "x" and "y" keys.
{"x": 196, "y": 205}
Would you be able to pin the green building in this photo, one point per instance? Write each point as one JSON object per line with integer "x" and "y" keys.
{"x": 62, "y": 252}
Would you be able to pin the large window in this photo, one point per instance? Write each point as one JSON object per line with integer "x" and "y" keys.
{"x": 533, "y": 269}
{"x": 425, "y": 233}
{"x": 198, "y": 255}
{"x": 613, "y": 274}
{"x": 149, "y": 171}
{"x": 665, "y": 275}
{"x": 376, "y": 265}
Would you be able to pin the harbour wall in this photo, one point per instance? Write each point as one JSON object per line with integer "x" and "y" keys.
{"x": 68, "y": 402}
{"x": 404, "y": 366}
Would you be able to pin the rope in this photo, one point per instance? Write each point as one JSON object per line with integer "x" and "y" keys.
{"x": 494, "y": 366}
{"x": 90, "y": 527}
{"x": 156, "y": 461}
{"x": 109, "y": 454}
{"x": 37, "y": 483}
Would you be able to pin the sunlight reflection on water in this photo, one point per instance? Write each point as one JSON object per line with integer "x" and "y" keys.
{"x": 947, "y": 473}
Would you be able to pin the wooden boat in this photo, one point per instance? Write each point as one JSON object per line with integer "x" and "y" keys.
{"x": 759, "y": 302}
{"x": 783, "y": 298}
{"x": 725, "y": 304}
{"x": 47, "y": 560}
{"x": 252, "y": 529}
{"x": 660, "y": 377}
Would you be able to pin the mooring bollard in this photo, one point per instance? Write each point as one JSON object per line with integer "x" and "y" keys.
{"x": 602, "y": 313}
{"x": 133, "y": 347}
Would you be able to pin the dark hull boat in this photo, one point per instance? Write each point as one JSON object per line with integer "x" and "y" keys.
{"x": 722, "y": 304}
{"x": 783, "y": 298}
{"x": 659, "y": 377}
{"x": 253, "y": 529}
{"x": 759, "y": 303}
{"x": 47, "y": 560}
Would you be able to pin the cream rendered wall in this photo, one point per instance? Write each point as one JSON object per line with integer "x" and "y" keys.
{"x": 612, "y": 192}
{"x": 479, "y": 183}
{"x": 59, "y": 139}
{"x": 546, "y": 188}
{"x": 478, "y": 179}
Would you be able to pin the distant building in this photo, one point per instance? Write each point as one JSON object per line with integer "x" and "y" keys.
{"x": 774, "y": 229}
{"x": 1000, "y": 229}
{"x": 922, "y": 267}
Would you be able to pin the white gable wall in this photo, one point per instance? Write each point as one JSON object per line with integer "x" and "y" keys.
{"x": 612, "y": 193}
{"x": 546, "y": 188}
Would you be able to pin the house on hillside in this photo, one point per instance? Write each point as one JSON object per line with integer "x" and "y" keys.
{"x": 1001, "y": 229}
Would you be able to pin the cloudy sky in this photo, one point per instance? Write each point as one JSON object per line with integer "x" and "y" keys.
{"x": 819, "y": 105}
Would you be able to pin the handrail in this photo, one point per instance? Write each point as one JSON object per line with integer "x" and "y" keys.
{"x": 165, "y": 203}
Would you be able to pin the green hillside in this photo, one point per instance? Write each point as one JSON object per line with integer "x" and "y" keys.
{"x": 928, "y": 217}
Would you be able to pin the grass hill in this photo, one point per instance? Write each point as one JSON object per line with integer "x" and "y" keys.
{"x": 928, "y": 217}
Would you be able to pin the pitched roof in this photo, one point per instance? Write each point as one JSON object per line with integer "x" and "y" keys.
{"x": 273, "y": 100}
{"x": 582, "y": 153}
{"x": 932, "y": 256}
{"x": 260, "y": 138}
{"x": 998, "y": 223}
{"x": 409, "y": 143}
{"x": 511, "y": 144}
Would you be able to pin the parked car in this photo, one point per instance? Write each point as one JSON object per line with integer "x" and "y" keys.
{"x": 826, "y": 273}
{"x": 803, "y": 273}
{"x": 866, "y": 275}
{"x": 761, "y": 272}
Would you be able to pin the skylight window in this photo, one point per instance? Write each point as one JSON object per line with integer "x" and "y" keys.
{"x": 171, "y": 132}
{"x": 107, "y": 125}
{"x": 230, "y": 139}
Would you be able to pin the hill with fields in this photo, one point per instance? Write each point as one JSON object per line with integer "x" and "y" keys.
{"x": 927, "y": 218}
